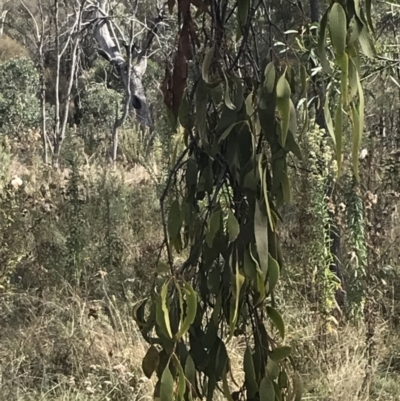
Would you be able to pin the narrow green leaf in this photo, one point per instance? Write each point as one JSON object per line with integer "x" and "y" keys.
{"x": 367, "y": 46}
{"x": 167, "y": 385}
{"x": 358, "y": 127}
{"x": 225, "y": 385}
{"x": 191, "y": 309}
{"x": 263, "y": 174}
{"x": 138, "y": 313}
{"x": 227, "y": 96}
{"x": 249, "y": 374}
{"x": 352, "y": 78}
{"x": 207, "y": 63}
{"x": 267, "y": 391}
{"x": 293, "y": 119}
{"x": 239, "y": 281}
{"x": 270, "y": 77}
{"x": 181, "y": 380}
{"x": 190, "y": 371}
{"x": 280, "y": 353}
{"x": 162, "y": 313}
{"x": 368, "y": 12}
{"x": 338, "y": 136}
{"x": 174, "y": 219}
{"x": 201, "y": 111}
{"x": 261, "y": 236}
{"x": 303, "y": 80}
{"x": 343, "y": 61}
{"x": 273, "y": 273}
{"x": 356, "y": 140}
{"x": 283, "y": 380}
{"x": 338, "y": 28}
{"x": 150, "y": 361}
{"x": 232, "y": 226}
{"x": 250, "y": 268}
{"x": 191, "y": 172}
{"x": 243, "y": 11}
{"x": 322, "y": 42}
{"x": 272, "y": 369}
{"x": 214, "y": 225}
{"x": 229, "y": 129}
{"x": 283, "y": 104}
{"x": 355, "y": 27}
{"x": 292, "y": 146}
{"x": 277, "y": 320}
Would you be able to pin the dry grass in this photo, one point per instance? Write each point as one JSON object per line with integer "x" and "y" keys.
{"x": 65, "y": 347}
{"x": 59, "y": 346}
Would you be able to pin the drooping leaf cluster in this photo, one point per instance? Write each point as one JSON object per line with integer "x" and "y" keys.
{"x": 222, "y": 261}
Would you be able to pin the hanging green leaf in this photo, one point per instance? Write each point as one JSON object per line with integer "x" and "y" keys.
{"x": 162, "y": 313}
{"x": 261, "y": 236}
{"x": 243, "y": 11}
{"x": 181, "y": 380}
{"x": 232, "y": 226}
{"x": 227, "y": 97}
{"x": 272, "y": 369}
{"x": 214, "y": 225}
{"x": 150, "y": 361}
{"x": 368, "y": 13}
{"x": 270, "y": 77}
{"x": 293, "y": 119}
{"x": 355, "y": 27}
{"x": 358, "y": 127}
{"x": 356, "y": 140}
{"x": 267, "y": 390}
{"x": 343, "y": 62}
{"x": 138, "y": 313}
{"x": 205, "y": 70}
{"x": 249, "y": 374}
{"x": 191, "y": 172}
{"x": 190, "y": 370}
{"x": 273, "y": 273}
{"x": 338, "y": 136}
{"x": 292, "y": 146}
{"x": 277, "y": 320}
{"x": 303, "y": 80}
{"x": 338, "y": 28}
{"x": 283, "y": 380}
{"x": 367, "y": 46}
{"x": 201, "y": 111}
{"x": 225, "y": 385}
{"x": 239, "y": 281}
{"x": 263, "y": 172}
{"x": 322, "y": 42}
{"x": 191, "y": 309}
{"x": 229, "y": 129}
{"x": 280, "y": 353}
{"x": 352, "y": 78}
{"x": 283, "y": 104}
{"x": 167, "y": 385}
{"x": 174, "y": 219}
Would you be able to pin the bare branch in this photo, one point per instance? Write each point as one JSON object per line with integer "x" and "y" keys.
{"x": 111, "y": 50}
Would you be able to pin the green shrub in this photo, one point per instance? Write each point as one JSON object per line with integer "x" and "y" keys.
{"x": 19, "y": 105}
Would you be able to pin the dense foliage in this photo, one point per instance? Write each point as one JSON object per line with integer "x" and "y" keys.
{"x": 264, "y": 191}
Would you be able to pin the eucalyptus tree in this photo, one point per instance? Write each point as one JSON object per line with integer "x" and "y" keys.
{"x": 231, "y": 90}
